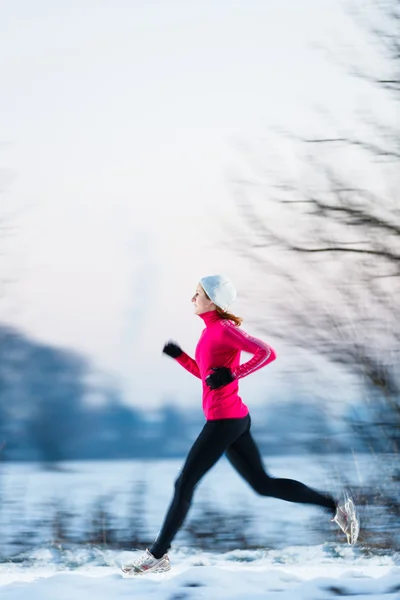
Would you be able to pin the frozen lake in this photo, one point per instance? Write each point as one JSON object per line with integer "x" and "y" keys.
{"x": 120, "y": 506}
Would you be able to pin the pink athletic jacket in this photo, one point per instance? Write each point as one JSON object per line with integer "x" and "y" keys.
{"x": 220, "y": 345}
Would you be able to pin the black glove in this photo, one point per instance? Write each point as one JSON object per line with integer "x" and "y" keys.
{"x": 172, "y": 350}
{"x": 221, "y": 376}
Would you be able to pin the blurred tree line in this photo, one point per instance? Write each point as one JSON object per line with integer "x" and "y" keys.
{"x": 47, "y": 414}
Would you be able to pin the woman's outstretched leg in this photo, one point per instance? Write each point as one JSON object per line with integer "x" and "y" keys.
{"x": 214, "y": 439}
{"x": 245, "y": 457}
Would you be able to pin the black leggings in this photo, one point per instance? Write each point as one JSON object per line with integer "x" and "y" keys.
{"x": 233, "y": 437}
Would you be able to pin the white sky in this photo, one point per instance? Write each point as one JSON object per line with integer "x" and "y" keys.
{"x": 119, "y": 121}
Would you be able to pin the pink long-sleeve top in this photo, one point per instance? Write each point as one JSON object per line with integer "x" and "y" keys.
{"x": 220, "y": 345}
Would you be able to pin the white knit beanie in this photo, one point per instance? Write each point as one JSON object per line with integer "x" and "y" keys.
{"x": 219, "y": 289}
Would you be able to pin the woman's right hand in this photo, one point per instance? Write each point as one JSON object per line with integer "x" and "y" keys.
{"x": 172, "y": 349}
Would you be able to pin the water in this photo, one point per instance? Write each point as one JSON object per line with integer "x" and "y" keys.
{"x": 86, "y": 509}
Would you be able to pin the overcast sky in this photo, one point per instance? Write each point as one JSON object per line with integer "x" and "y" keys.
{"x": 120, "y": 122}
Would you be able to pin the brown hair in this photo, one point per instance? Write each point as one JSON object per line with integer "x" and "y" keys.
{"x": 224, "y": 314}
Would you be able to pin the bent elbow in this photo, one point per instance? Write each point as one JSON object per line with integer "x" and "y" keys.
{"x": 272, "y": 355}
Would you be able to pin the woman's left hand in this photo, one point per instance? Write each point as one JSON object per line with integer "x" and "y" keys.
{"x": 221, "y": 376}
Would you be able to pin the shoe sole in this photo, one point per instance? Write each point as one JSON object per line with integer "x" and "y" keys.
{"x": 127, "y": 571}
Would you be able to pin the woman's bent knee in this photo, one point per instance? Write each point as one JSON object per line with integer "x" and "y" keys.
{"x": 265, "y": 486}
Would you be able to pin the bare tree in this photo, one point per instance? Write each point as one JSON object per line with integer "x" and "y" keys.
{"x": 332, "y": 245}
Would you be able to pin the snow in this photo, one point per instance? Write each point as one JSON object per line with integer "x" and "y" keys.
{"x": 297, "y": 573}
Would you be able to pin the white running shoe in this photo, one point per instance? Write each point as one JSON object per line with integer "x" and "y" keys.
{"x": 147, "y": 563}
{"x": 346, "y": 517}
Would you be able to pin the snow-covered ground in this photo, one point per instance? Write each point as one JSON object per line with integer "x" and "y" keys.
{"x": 297, "y": 573}
{"x": 253, "y": 548}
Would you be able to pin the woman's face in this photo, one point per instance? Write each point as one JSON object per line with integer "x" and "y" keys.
{"x": 201, "y": 303}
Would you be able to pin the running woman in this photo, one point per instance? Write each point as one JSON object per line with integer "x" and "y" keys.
{"x": 227, "y": 428}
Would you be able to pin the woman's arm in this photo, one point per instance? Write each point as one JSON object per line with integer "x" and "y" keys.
{"x": 262, "y": 353}
{"x": 174, "y": 351}
{"x": 189, "y": 364}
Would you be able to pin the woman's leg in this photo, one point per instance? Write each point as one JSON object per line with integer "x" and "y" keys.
{"x": 214, "y": 439}
{"x": 244, "y": 455}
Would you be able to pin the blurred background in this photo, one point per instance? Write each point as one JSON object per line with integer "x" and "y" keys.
{"x": 143, "y": 146}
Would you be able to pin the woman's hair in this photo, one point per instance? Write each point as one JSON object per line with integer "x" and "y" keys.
{"x": 224, "y": 314}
